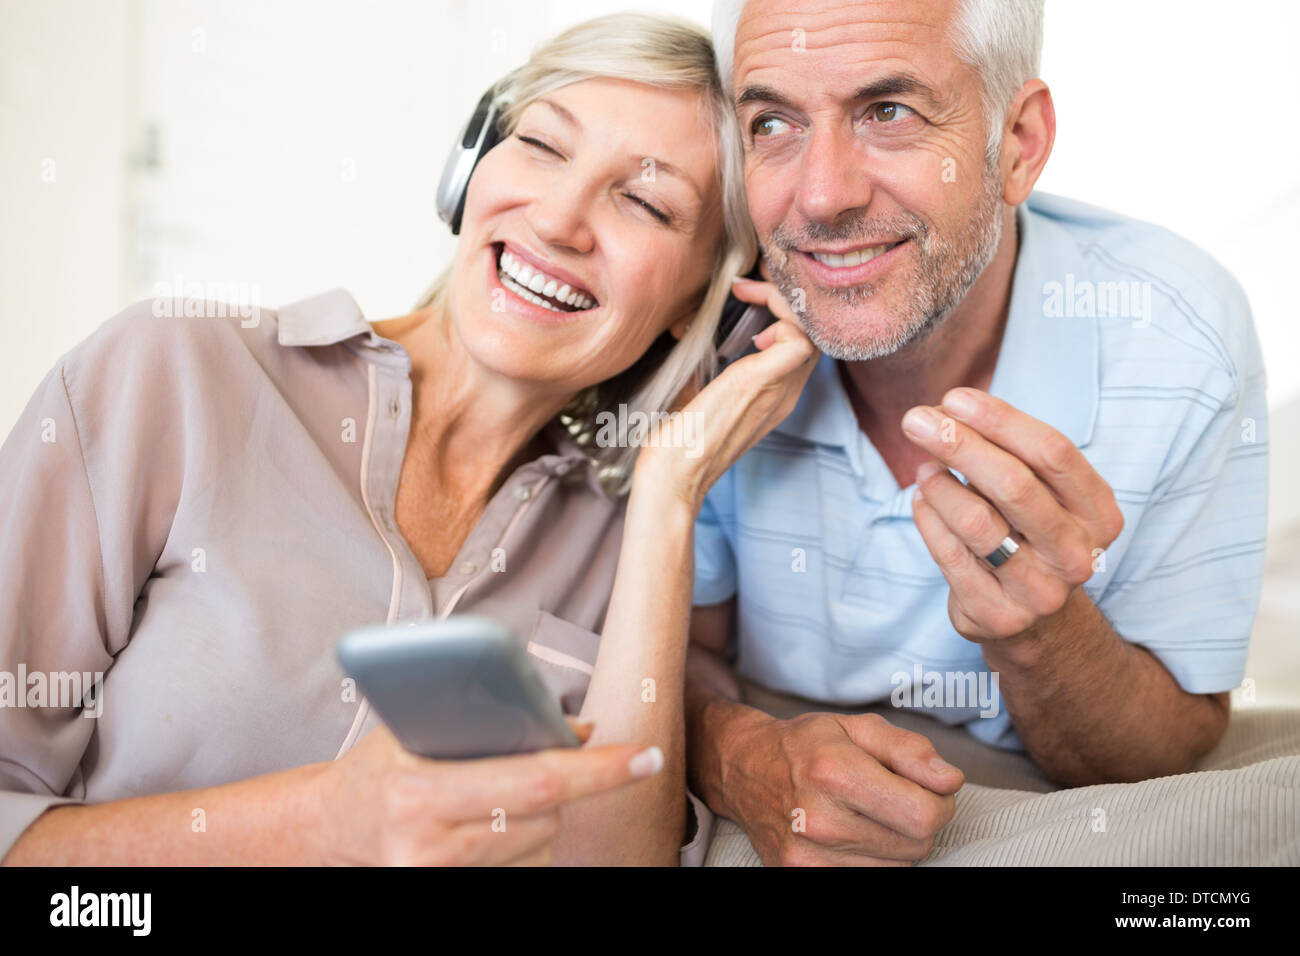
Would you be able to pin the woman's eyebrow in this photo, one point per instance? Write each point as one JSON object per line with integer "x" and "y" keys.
{"x": 560, "y": 111}
{"x": 663, "y": 166}
{"x": 658, "y": 165}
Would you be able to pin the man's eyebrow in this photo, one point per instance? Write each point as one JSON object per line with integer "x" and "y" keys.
{"x": 761, "y": 94}
{"x": 895, "y": 84}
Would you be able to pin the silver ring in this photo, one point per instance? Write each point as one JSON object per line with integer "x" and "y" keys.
{"x": 1004, "y": 551}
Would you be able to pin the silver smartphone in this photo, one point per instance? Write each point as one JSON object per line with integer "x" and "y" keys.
{"x": 456, "y": 688}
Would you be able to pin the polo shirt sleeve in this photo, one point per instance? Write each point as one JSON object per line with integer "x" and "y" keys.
{"x": 1187, "y": 585}
{"x": 715, "y": 560}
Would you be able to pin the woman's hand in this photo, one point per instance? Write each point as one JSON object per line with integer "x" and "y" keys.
{"x": 380, "y": 804}
{"x": 730, "y": 414}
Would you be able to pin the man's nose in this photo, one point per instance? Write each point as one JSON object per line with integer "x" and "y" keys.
{"x": 560, "y": 216}
{"x": 833, "y": 178}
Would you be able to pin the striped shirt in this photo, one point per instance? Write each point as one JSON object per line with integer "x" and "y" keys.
{"x": 1127, "y": 339}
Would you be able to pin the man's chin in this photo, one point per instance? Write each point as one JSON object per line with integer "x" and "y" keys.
{"x": 856, "y": 333}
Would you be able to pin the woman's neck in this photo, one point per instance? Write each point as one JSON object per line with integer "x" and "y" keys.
{"x": 470, "y": 427}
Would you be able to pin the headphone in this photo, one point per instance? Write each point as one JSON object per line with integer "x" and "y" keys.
{"x": 739, "y": 320}
{"x": 481, "y": 133}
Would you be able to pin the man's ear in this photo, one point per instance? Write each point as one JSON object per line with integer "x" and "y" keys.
{"x": 1027, "y": 140}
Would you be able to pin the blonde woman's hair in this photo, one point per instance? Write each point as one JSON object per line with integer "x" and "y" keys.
{"x": 664, "y": 52}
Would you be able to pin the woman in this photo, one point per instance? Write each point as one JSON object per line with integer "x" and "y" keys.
{"x": 199, "y": 507}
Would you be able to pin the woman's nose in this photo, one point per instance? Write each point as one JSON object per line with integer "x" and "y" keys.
{"x": 560, "y": 217}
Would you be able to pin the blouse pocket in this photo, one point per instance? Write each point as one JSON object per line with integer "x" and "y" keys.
{"x": 565, "y": 655}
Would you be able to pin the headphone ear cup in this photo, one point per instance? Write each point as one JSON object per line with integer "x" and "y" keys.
{"x": 491, "y": 137}
{"x": 479, "y": 136}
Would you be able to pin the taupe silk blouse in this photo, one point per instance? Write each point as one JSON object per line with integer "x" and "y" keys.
{"x": 197, "y": 508}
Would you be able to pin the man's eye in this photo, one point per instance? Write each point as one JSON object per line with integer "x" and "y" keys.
{"x": 767, "y": 126}
{"x": 889, "y": 112}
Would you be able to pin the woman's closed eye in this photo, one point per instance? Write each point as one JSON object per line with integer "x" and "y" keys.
{"x": 538, "y": 144}
{"x": 652, "y": 209}
{"x": 649, "y": 207}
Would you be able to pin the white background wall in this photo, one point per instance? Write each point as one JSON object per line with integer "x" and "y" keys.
{"x": 284, "y": 148}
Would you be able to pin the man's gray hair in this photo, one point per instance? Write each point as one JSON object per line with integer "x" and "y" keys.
{"x": 1001, "y": 39}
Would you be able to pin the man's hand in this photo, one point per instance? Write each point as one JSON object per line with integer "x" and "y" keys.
{"x": 1026, "y": 481}
{"x": 829, "y": 789}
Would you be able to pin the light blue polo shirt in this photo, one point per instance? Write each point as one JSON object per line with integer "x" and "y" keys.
{"x": 1132, "y": 342}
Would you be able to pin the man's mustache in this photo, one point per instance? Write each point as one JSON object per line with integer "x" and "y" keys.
{"x": 863, "y": 227}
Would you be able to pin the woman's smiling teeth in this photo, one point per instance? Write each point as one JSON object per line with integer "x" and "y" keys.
{"x": 538, "y": 288}
{"x": 854, "y": 258}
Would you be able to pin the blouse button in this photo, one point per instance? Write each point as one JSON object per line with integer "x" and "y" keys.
{"x": 562, "y": 468}
{"x": 468, "y": 567}
{"x": 523, "y": 493}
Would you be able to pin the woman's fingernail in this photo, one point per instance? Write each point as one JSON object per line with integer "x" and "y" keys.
{"x": 921, "y": 422}
{"x": 939, "y": 765}
{"x": 763, "y": 339}
{"x": 648, "y": 762}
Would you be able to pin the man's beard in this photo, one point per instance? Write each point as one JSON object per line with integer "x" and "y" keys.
{"x": 944, "y": 271}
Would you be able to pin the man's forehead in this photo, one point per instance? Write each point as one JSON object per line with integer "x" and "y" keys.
{"x": 835, "y": 39}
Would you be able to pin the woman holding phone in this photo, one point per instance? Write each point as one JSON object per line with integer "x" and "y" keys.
{"x": 197, "y": 507}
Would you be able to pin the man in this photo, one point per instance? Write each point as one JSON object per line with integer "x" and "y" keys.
{"x": 1030, "y": 467}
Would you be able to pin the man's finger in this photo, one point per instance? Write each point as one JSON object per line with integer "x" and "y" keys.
{"x": 971, "y": 517}
{"x": 857, "y": 778}
{"x": 905, "y": 753}
{"x": 836, "y": 831}
{"x": 1052, "y": 456}
{"x": 1024, "y": 585}
{"x": 1021, "y": 497}
{"x": 994, "y": 603}
{"x": 966, "y": 575}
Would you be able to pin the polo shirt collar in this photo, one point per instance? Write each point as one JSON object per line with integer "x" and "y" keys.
{"x": 1047, "y": 367}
